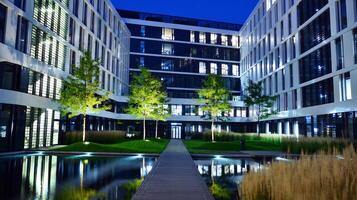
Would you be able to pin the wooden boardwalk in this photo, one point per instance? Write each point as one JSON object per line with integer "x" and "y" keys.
{"x": 174, "y": 176}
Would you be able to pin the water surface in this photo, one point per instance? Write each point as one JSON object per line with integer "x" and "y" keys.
{"x": 38, "y": 176}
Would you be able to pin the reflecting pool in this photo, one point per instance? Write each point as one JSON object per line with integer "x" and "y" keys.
{"x": 223, "y": 175}
{"x": 41, "y": 176}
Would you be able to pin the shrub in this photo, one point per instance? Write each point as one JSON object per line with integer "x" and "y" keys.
{"x": 321, "y": 176}
{"x": 102, "y": 137}
{"x": 219, "y": 192}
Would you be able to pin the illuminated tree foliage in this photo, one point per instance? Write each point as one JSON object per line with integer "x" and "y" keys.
{"x": 214, "y": 97}
{"x": 253, "y": 96}
{"x": 146, "y": 96}
{"x": 79, "y": 92}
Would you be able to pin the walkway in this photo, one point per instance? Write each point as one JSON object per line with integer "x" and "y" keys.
{"x": 174, "y": 176}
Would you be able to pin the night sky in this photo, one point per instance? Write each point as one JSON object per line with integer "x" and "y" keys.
{"x": 234, "y": 11}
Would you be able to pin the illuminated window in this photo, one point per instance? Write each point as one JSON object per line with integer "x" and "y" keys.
{"x": 224, "y": 69}
{"x": 224, "y": 40}
{"x": 235, "y": 41}
{"x": 213, "y": 38}
{"x": 167, "y": 64}
{"x": 167, "y": 34}
{"x": 202, "y": 68}
{"x": 167, "y": 49}
{"x": 192, "y": 36}
{"x": 176, "y": 109}
{"x": 202, "y": 37}
{"x": 213, "y": 68}
{"x": 345, "y": 87}
{"x": 235, "y": 70}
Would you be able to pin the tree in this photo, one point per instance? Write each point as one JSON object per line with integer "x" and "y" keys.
{"x": 214, "y": 96}
{"x": 79, "y": 92}
{"x": 161, "y": 112}
{"x": 253, "y": 96}
{"x": 145, "y": 95}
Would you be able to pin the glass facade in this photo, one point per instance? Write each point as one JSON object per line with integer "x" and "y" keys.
{"x": 318, "y": 93}
{"x": 316, "y": 64}
{"x": 316, "y": 32}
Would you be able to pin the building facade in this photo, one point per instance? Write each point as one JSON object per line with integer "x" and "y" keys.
{"x": 304, "y": 51}
{"x": 40, "y": 43}
{"x": 182, "y": 52}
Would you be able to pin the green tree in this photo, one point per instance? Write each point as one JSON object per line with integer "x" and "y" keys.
{"x": 254, "y": 96}
{"x": 161, "y": 113}
{"x": 214, "y": 97}
{"x": 145, "y": 95}
{"x": 79, "y": 92}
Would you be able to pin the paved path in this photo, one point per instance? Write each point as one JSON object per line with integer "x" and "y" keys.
{"x": 174, "y": 176}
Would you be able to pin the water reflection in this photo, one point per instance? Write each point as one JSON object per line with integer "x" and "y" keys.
{"x": 226, "y": 173}
{"x": 47, "y": 176}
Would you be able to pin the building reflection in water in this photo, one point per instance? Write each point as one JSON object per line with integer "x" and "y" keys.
{"x": 44, "y": 176}
{"x": 226, "y": 167}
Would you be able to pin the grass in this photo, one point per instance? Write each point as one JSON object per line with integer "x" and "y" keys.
{"x": 321, "y": 176}
{"x": 207, "y": 147}
{"x": 126, "y": 146}
{"x": 288, "y": 145}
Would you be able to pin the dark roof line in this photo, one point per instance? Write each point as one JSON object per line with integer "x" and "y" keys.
{"x": 131, "y": 14}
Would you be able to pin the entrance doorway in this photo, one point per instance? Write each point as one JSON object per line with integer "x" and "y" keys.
{"x": 176, "y": 130}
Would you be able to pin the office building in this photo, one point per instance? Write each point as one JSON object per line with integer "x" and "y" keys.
{"x": 305, "y": 52}
{"x": 40, "y": 43}
{"x": 182, "y": 52}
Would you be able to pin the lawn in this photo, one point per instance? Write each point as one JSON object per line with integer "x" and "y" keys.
{"x": 126, "y": 146}
{"x": 207, "y": 147}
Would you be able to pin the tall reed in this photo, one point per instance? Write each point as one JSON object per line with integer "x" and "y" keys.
{"x": 325, "y": 175}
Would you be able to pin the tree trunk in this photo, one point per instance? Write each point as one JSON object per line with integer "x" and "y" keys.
{"x": 84, "y": 128}
{"x": 157, "y": 122}
{"x": 258, "y": 128}
{"x": 144, "y": 130}
{"x": 212, "y": 130}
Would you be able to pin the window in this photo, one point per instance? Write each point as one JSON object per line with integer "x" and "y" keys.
{"x": 213, "y": 68}
{"x": 213, "y": 38}
{"x": 167, "y": 49}
{"x": 3, "y": 12}
{"x": 142, "y": 31}
{"x": 316, "y": 64}
{"x": 167, "y": 34}
{"x": 72, "y": 31}
{"x": 202, "y": 68}
{"x": 224, "y": 69}
{"x": 283, "y": 79}
{"x": 291, "y": 75}
{"x": 192, "y": 36}
{"x": 142, "y": 46}
{"x": 21, "y": 34}
{"x": 341, "y": 14}
{"x": 355, "y": 45}
{"x": 306, "y": 9}
{"x": 318, "y": 93}
{"x": 235, "y": 70}
{"x": 20, "y": 4}
{"x": 202, "y": 37}
{"x": 311, "y": 36}
{"x": 224, "y": 40}
{"x": 75, "y": 8}
{"x": 339, "y": 53}
{"x": 345, "y": 87}
{"x": 84, "y": 13}
{"x": 167, "y": 64}
{"x": 235, "y": 41}
{"x": 176, "y": 109}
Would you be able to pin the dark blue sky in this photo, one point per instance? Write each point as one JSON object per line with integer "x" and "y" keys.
{"x": 234, "y": 11}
